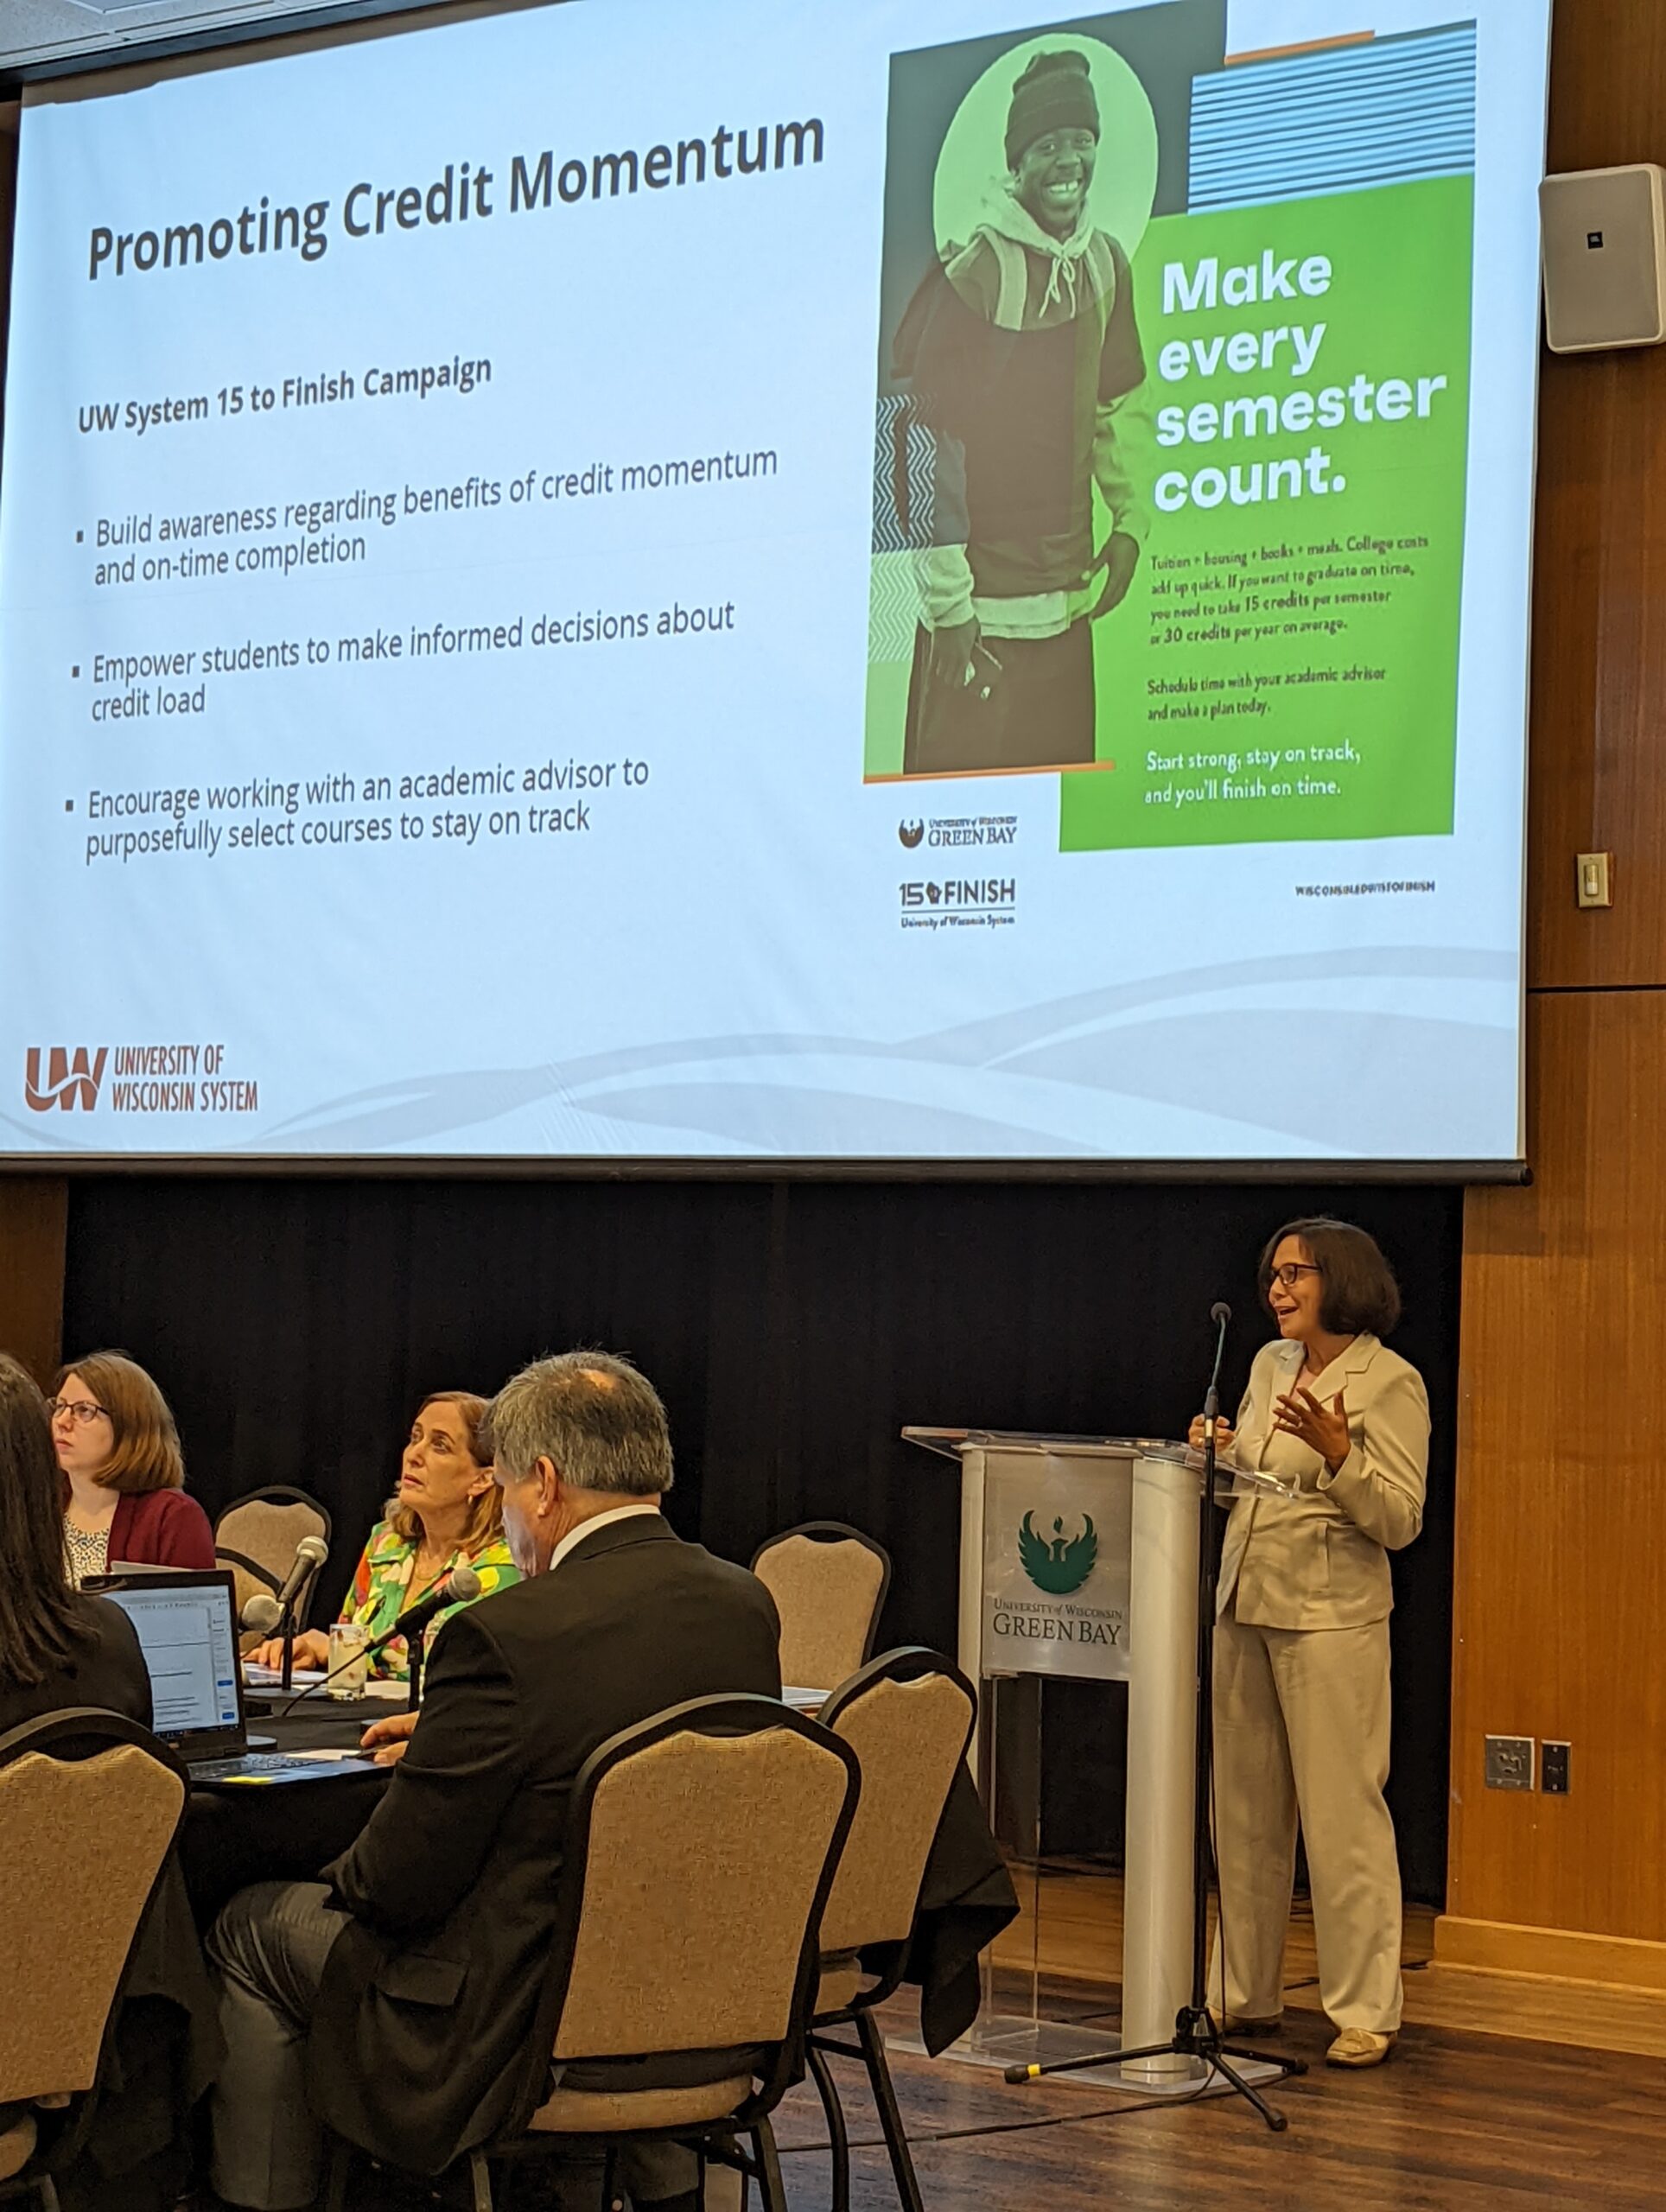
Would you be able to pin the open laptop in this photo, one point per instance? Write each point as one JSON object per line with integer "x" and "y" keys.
{"x": 186, "y": 1622}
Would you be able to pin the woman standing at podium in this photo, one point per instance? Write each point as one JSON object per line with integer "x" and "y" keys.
{"x": 1302, "y": 1639}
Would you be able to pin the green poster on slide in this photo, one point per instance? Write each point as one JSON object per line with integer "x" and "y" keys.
{"x": 1286, "y": 665}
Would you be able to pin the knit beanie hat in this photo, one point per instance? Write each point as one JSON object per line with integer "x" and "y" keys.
{"x": 1054, "y": 93}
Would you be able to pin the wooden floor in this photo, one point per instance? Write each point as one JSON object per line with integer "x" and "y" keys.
{"x": 1502, "y": 2093}
{"x": 1078, "y": 1938}
{"x": 1455, "y": 2122}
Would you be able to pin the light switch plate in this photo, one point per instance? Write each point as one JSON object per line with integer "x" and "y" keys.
{"x": 1509, "y": 1762}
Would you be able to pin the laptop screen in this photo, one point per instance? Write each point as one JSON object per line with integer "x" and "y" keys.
{"x": 189, "y": 1636}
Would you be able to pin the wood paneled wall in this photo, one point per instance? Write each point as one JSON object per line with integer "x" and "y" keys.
{"x": 1560, "y": 1592}
{"x": 33, "y": 1209}
{"x": 1560, "y": 1588}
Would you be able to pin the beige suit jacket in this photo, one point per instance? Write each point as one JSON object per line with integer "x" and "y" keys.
{"x": 1321, "y": 1559}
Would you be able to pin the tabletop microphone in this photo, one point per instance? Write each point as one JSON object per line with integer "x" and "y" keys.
{"x": 460, "y": 1588}
{"x": 310, "y": 1554}
{"x": 262, "y": 1613}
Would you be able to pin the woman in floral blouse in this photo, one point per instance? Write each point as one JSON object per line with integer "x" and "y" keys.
{"x": 447, "y": 1511}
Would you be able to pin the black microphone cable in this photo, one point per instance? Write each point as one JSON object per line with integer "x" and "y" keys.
{"x": 460, "y": 1588}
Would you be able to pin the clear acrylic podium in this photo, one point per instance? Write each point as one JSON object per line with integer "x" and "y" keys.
{"x": 1078, "y": 1560}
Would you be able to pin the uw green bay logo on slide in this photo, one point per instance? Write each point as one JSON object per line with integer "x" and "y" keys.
{"x": 1058, "y": 1564}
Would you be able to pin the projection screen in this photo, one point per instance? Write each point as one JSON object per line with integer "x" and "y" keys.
{"x": 911, "y": 582}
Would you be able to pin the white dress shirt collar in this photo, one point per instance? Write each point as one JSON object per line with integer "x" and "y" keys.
{"x": 574, "y": 1537}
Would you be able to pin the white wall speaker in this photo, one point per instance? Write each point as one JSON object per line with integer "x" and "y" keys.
{"x": 1604, "y": 257}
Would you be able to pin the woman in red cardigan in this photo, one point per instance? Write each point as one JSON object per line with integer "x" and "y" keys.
{"x": 118, "y": 1451}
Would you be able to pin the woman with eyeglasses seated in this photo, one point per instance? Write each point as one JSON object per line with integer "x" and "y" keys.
{"x": 1302, "y": 1639}
{"x": 448, "y": 1512}
{"x": 58, "y": 1648}
{"x": 118, "y": 1451}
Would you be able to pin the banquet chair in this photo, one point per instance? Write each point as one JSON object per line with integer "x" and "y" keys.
{"x": 828, "y": 1583}
{"x": 908, "y": 1716}
{"x": 701, "y": 1848}
{"x": 256, "y": 1537}
{"x": 70, "y": 1908}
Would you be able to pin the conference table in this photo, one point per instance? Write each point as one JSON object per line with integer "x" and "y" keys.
{"x": 290, "y": 1831}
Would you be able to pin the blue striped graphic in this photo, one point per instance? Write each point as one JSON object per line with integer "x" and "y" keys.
{"x": 1379, "y": 113}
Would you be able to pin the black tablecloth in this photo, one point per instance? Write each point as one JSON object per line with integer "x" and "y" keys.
{"x": 291, "y": 1832}
{"x": 965, "y": 1901}
{"x": 161, "y": 2052}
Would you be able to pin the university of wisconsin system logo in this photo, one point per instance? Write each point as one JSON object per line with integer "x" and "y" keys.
{"x": 71, "y": 1079}
{"x": 1058, "y": 1564}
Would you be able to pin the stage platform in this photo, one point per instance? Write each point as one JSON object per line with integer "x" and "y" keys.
{"x": 1080, "y": 1941}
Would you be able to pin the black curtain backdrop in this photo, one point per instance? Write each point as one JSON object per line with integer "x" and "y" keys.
{"x": 792, "y": 1329}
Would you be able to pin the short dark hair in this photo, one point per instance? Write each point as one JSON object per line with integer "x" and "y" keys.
{"x": 1360, "y": 1291}
{"x": 42, "y": 1618}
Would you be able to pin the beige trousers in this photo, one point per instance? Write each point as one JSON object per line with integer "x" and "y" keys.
{"x": 1301, "y": 1726}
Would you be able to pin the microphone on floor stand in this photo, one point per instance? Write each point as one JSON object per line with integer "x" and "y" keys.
{"x": 1197, "y": 2036}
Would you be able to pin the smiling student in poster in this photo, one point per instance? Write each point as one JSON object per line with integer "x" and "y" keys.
{"x": 1024, "y": 357}
{"x": 1302, "y": 1639}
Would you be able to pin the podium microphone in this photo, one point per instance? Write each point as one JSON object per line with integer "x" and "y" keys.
{"x": 1220, "y": 1314}
{"x": 1197, "y": 2035}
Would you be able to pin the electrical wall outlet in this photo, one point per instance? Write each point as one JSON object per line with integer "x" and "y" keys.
{"x": 1553, "y": 1768}
{"x": 1509, "y": 1762}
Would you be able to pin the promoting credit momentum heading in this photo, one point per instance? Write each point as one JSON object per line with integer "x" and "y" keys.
{"x": 458, "y": 195}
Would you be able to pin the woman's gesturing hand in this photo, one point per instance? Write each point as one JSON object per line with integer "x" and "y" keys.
{"x": 1324, "y": 1429}
{"x": 1224, "y": 1434}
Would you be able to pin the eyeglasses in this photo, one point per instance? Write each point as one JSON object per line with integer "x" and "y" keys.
{"x": 79, "y": 1409}
{"x": 1292, "y": 1272}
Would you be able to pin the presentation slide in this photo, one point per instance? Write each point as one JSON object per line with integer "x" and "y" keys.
{"x": 911, "y": 582}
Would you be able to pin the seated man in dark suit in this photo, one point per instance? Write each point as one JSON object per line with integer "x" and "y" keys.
{"x": 396, "y": 2000}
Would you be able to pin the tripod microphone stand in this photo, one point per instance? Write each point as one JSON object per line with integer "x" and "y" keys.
{"x": 1196, "y": 2034}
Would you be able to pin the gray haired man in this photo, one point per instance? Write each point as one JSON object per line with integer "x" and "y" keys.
{"x": 396, "y": 2000}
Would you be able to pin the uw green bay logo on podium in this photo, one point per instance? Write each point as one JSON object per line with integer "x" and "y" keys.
{"x": 1058, "y": 1564}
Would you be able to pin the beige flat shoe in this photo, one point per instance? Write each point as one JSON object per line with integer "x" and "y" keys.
{"x": 1359, "y": 2047}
